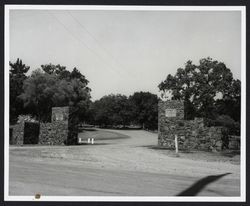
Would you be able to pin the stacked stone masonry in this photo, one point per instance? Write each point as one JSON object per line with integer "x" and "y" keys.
{"x": 17, "y": 133}
{"x": 192, "y": 134}
{"x": 56, "y": 131}
{"x": 61, "y": 130}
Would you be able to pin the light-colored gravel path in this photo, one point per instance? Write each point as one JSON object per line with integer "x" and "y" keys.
{"x": 114, "y": 167}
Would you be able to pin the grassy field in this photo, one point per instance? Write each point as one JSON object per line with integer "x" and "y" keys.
{"x": 99, "y": 135}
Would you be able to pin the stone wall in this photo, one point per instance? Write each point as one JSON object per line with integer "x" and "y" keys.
{"x": 234, "y": 142}
{"x": 53, "y": 133}
{"x": 63, "y": 128}
{"x": 17, "y": 134}
{"x": 170, "y": 105}
{"x": 192, "y": 134}
{"x": 59, "y": 114}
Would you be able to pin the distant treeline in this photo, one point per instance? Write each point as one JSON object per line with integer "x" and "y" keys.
{"x": 207, "y": 89}
{"x": 141, "y": 109}
{"x": 53, "y": 85}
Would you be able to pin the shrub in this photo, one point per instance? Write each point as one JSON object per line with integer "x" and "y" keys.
{"x": 225, "y": 121}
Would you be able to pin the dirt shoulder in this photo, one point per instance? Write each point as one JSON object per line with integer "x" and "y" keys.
{"x": 127, "y": 155}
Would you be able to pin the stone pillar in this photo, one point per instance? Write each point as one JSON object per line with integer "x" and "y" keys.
{"x": 68, "y": 116}
{"x": 170, "y": 114}
{"x": 63, "y": 128}
{"x": 17, "y": 133}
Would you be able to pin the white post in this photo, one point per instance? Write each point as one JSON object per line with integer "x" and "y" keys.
{"x": 88, "y": 140}
{"x": 176, "y": 144}
{"x": 92, "y": 140}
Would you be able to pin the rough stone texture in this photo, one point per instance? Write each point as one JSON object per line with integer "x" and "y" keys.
{"x": 63, "y": 128}
{"x": 18, "y": 129}
{"x": 54, "y": 133}
{"x": 192, "y": 134}
{"x": 173, "y": 104}
{"x": 234, "y": 142}
{"x": 60, "y": 114}
{"x": 17, "y": 134}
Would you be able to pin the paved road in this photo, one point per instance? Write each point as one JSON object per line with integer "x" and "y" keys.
{"x": 124, "y": 167}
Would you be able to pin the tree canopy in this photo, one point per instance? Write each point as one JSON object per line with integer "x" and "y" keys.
{"x": 55, "y": 86}
{"x": 17, "y": 74}
{"x": 138, "y": 109}
{"x": 207, "y": 89}
{"x": 145, "y": 109}
{"x": 112, "y": 110}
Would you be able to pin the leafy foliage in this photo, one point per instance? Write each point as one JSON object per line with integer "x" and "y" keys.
{"x": 140, "y": 109}
{"x": 233, "y": 127}
{"x": 145, "y": 109}
{"x": 55, "y": 86}
{"x": 112, "y": 110}
{"x": 17, "y": 74}
{"x": 208, "y": 89}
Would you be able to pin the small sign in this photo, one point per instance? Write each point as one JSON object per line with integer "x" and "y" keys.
{"x": 170, "y": 112}
{"x": 59, "y": 117}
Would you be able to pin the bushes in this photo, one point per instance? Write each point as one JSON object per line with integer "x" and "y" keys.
{"x": 232, "y": 126}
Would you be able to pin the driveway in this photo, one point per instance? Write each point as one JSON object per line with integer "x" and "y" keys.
{"x": 122, "y": 167}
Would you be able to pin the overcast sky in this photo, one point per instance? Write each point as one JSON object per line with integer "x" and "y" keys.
{"x": 125, "y": 51}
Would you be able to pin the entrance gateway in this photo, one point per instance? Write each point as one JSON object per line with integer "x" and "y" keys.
{"x": 191, "y": 134}
{"x": 63, "y": 129}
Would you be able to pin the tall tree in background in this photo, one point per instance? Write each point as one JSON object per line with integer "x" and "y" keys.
{"x": 145, "y": 109}
{"x": 38, "y": 93}
{"x": 52, "y": 86}
{"x": 112, "y": 110}
{"x": 208, "y": 89}
{"x": 17, "y": 74}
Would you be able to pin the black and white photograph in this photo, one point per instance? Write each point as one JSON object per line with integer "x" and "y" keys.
{"x": 125, "y": 103}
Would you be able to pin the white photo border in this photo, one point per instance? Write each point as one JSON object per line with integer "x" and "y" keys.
{"x": 241, "y": 198}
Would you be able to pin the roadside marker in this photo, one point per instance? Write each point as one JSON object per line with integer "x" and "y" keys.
{"x": 176, "y": 145}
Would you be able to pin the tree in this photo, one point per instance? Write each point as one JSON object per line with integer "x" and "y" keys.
{"x": 62, "y": 73}
{"x": 112, "y": 110}
{"x": 79, "y": 97}
{"x": 47, "y": 88}
{"x": 38, "y": 93}
{"x": 17, "y": 74}
{"x": 231, "y": 104}
{"x": 204, "y": 88}
{"x": 145, "y": 109}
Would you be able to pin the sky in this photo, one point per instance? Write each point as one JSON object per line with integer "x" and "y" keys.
{"x": 124, "y": 51}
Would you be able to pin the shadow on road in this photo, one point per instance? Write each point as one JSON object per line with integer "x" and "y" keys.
{"x": 194, "y": 189}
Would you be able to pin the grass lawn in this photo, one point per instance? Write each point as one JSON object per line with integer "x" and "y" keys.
{"x": 100, "y": 134}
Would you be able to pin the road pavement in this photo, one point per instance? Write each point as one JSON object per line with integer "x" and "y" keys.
{"x": 122, "y": 167}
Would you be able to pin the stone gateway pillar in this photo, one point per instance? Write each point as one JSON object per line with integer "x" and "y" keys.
{"x": 63, "y": 128}
{"x": 192, "y": 134}
{"x": 169, "y": 114}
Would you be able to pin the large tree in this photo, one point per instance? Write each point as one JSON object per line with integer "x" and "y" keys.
{"x": 17, "y": 74}
{"x": 145, "y": 109}
{"x": 47, "y": 88}
{"x": 206, "y": 89}
{"x": 112, "y": 110}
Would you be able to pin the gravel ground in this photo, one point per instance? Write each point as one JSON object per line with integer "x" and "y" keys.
{"x": 122, "y": 166}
